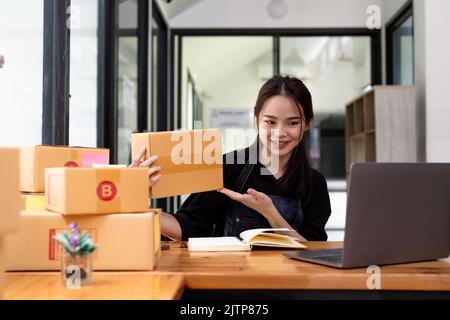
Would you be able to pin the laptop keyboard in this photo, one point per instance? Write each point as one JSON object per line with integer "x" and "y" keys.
{"x": 332, "y": 259}
{"x": 329, "y": 255}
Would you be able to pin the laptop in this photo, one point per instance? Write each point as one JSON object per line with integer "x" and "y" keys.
{"x": 396, "y": 213}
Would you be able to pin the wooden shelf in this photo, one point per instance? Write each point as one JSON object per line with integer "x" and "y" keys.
{"x": 358, "y": 135}
{"x": 349, "y": 120}
{"x": 370, "y": 146}
{"x": 369, "y": 111}
{"x": 358, "y": 116}
{"x": 381, "y": 125}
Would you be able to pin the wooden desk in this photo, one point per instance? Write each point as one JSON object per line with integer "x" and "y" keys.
{"x": 239, "y": 272}
{"x": 270, "y": 269}
{"x": 106, "y": 286}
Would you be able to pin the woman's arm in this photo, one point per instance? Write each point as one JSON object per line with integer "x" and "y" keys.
{"x": 316, "y": 210}
{"x": 262, "y": 203}
{"x": 276, "y": 220}
{"x": 170, "y": 226}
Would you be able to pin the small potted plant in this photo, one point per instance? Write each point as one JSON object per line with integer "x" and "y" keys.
{"x": 76, "y": 257}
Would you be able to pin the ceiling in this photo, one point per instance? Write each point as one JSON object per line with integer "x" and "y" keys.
{"x": 170, "y": 9}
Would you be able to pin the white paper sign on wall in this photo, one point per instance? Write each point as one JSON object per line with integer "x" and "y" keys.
{"x": 230, "y": 117}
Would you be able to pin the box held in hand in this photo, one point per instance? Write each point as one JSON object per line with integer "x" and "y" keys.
{"x": 191, "y": 161}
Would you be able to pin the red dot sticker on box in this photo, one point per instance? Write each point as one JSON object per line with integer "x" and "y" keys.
{"x": 71, "y": 164}
{"x": 106, "y": 190}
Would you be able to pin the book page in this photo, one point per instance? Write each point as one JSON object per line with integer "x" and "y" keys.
{"x": 217, "y": 244}
{"x": 272, "y": 240}
{"x": 247, "y": 235}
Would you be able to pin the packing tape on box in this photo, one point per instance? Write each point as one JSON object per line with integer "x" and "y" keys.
{"x": 108, "y": 195}
{"x": 73, "y": 157}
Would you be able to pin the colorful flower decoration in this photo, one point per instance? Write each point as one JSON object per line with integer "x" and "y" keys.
{"x": 76, "y": 243}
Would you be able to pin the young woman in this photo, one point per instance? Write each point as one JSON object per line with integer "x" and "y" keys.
{"x": 263, "y": 193}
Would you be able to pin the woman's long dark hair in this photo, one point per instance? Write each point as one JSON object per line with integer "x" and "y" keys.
{"x": 297, "y": 176}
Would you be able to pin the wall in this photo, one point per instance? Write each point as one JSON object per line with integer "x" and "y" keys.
{"x": 432, "y": 78}
{"x": 21, "y": 43}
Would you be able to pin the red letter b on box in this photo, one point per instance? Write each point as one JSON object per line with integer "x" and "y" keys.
{"x": 106, "y": 190}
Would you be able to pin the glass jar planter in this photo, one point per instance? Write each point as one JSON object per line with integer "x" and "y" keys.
{"x": 76, "y": 270}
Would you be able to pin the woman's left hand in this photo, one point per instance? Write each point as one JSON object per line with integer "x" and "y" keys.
{"x": 253, "y": 199}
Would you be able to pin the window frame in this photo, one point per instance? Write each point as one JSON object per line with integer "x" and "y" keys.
{"x": 404, "y": 13}
{"x": 161, "y": 115}
{"x": 141, "y": 33}
{"x": 56, "y": 73}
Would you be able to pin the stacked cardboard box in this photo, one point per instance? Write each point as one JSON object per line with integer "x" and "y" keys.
{"x": 74, "y": 191}
{"x": 10, "y": 202}
{"x": 125, "y": 241}
{"x": 2, "y": 267}
{"x": 191, "y": 161}
{"x": 111, "y": 204}
{"x": 34, "y": 160}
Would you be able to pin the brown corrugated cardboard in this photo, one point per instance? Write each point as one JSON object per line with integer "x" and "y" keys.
{"x": 10, "y": 202}
{"x": 96, "y": 190}
{"x": 125, "y": 241}
{"x": 33, "y": 161}
{"x": 2, "y": 266}
{"x": 191, "y": 161}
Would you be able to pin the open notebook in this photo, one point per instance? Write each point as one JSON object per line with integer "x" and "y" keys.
{"x": 249, "y": 238}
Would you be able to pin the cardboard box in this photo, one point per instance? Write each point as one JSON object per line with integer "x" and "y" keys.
{"x": 2, "y": 267}
{"x": 33, "y": 201}
{"x": 96, "y": 190}
{"x": 125, "y": 241}
{"x": 33, "y": 161}
{"x": 191, "y": 161}
{"x": 10, "y": 202}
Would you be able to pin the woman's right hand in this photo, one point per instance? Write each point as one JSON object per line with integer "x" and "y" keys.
{"x": 138, "y": 162}
{"x": 169, "y": 225}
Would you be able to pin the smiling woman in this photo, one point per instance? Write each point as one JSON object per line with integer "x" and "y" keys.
{"x": 279, "y": 190}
